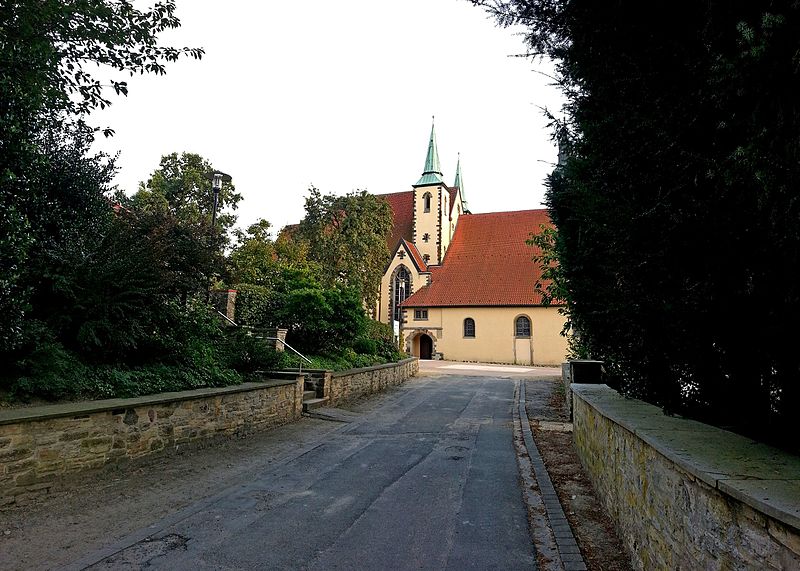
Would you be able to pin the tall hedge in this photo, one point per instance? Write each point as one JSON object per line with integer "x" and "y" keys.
{"x": 677, "y": 203}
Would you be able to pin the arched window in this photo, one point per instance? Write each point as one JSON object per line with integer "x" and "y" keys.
{"x": 469, "y": 327}
{"x": 426, "y": 201}
{"x": 522, "y": 327}
{"x": 401, "y": 286}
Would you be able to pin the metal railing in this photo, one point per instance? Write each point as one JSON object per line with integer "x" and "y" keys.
{"x": 296, "y": 352}
{"x": 285, "y": 344}
{"x": 226, "y": 318}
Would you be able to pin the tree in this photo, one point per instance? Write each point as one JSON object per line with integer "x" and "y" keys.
{"x": 347, "y": 236}
{"x": 179, "y": 195}
{"x": 47, "y": 45}
{"x": 253, "y": 259}
{"x": 182, "y": 185}
{"x": 678, "y": 222}
{"x": 46, "y": 91}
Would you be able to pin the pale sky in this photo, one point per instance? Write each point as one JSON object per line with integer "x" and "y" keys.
{"x": 340, "y": 95}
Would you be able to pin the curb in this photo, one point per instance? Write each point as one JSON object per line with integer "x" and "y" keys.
{"x": 567, "y": 553}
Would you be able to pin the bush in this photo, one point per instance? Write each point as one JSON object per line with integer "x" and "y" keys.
{"x": 246, "y": 353}
{"x": 323, "y": 320}
{"x": 255, "y": 305}
{"x": 378, "y": 339}
{"x": 186, "y": 350}
{"x": 676, "y": 199}
{"x": 52, "y": 373}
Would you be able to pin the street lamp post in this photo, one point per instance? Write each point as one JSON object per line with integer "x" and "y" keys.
{"x": 216, "y": 184}
{"x": 217, "y": 178}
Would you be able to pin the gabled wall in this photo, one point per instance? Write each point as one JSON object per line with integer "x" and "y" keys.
{"x": 382, "y": 312}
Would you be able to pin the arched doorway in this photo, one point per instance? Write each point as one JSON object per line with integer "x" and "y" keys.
{"x": 425, "y": 347}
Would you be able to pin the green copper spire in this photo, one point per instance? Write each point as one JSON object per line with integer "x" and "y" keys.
{"x": 459, "y": 183}
{"x": 433, "y": 172}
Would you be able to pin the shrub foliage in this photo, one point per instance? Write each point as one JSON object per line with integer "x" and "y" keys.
{"x": 676, "y": 204}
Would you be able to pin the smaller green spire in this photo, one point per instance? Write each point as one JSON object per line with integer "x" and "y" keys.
{"x": 433, "y": 172}
{"x": 459, "y": 182}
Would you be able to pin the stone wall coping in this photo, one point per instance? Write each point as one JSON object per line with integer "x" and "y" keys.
{"x": 761, "y": 476}
{"x": 45, "y": 412}
{"x": 349, "y": 372}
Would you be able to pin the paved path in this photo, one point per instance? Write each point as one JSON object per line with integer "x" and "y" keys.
{"x": 427, "y": 480}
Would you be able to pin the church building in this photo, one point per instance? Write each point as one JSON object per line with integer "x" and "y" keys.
{"x": 461, "y": 286}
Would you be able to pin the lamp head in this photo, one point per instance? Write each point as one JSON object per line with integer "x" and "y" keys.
{"x": 218, "y": 178}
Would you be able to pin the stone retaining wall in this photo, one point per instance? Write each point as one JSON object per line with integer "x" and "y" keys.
{"x": 40, "y": 445}
{"x": 348, "y": 385}
{"x": 685, "y": 495}
{"x": 566, "y": 379}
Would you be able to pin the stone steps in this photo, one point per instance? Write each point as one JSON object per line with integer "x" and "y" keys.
{"x": 313, "y": 403}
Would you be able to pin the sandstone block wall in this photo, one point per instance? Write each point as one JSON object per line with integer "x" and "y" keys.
{"x": 686, "y": 495}
{"x": 349, "y": 385}
{"x": 566, "y": 379}
{"x": 39, "y": 445}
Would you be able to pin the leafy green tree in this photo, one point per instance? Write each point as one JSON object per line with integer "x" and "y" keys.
{"x": 553, "y": 286}
{"x": 182, "y": 184}
{"x": 253, "y": 259}
{"x": 47, "y": 45}
{"x": 49, "y": 51}
{"x": 319, "y": 318}
{"x": 179, "y": 195}
{"x": 347, "y": 237}
{"x": 676, "y": 205}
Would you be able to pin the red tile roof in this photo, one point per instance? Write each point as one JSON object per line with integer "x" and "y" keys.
{"x": 453, "y": 192}
{"x": 488, "y": 263}
{"x": 402, "y": 204}
{"x": 421, "y": 265}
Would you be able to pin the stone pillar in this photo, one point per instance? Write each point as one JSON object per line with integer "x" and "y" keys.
{"x": 326, "y": 384}
{"x": 224, "y": 301}
{"x": 230, "y": 306}
{"x": 280, "y": 334}
{"x": 299, "y": 387}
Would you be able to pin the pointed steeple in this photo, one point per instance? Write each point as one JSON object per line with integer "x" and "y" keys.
{"x": 459, "y": 183}
{"x": 433, "y": 172}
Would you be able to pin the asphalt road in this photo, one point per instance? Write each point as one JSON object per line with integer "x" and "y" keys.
{"x": 427, "y": 480}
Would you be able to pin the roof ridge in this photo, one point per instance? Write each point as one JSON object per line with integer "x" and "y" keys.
{"x": 474, "y": 215}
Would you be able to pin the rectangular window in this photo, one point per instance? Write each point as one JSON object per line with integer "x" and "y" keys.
{"x": 420, "y": 314}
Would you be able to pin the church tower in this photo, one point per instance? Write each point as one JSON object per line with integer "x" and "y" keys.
{"x": 432, "y": 206}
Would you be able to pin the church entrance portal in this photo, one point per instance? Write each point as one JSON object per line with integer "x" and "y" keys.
{"x": 425, "y": 347}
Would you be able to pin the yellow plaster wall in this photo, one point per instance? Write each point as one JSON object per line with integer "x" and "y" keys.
{"x": 427, "y": 221}
{"x": 445, "y": 222}
{"x": 494, "y": 340}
